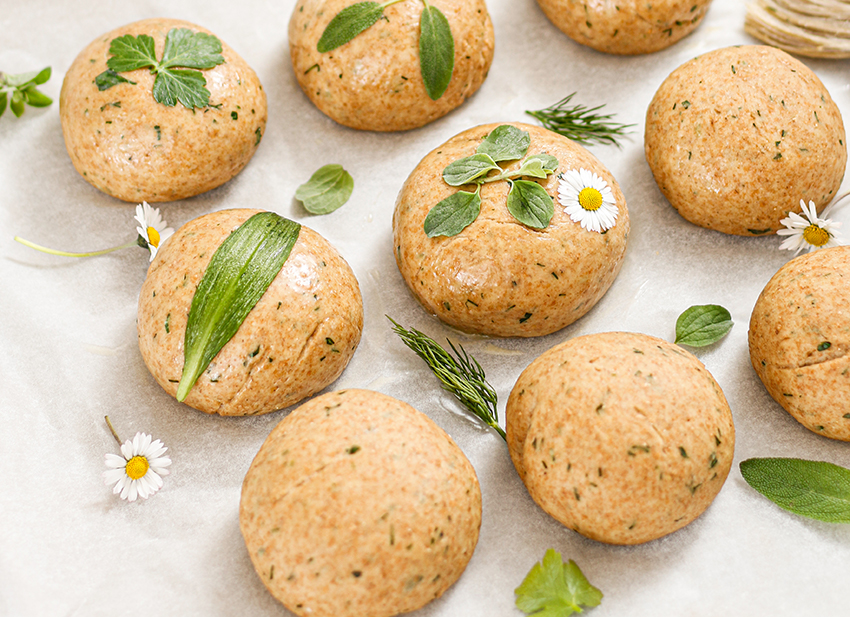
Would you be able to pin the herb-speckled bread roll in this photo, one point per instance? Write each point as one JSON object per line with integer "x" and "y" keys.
{"x": 800, "y": 340}
{"x": 356, "y": 505}
{"x": 374, "y": 82}
{"x": 622, "y": 437}
{"x": 626, "y": 26}
{"x": 295, "y": 341}
{"x": 125, "y": 143}
{"x": 737, "y": 137}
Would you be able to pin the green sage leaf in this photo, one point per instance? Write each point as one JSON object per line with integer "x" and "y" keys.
{"x": 326, "y": 190}
{"x": 703, "y": 325}
{"x": 453, "y": 214}
{"x": 538, "y": 165}
{"x": 530, "y": 204}
{"x": 110, "y": 78}
{"x": 348, "y": 23}
{"x": 436, "y": 51}
{"x": 815, "y": 489}
{"x": 236, "y": 278}
{"x": 465, "y": 170}
{"x": 505, "y": 143}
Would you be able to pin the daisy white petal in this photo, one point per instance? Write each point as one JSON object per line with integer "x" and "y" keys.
{"x": 812, "y": 232}
{"x": 153, "y": 230}
{"x": 138, "y": 472}
{"x": 588, "y": 200}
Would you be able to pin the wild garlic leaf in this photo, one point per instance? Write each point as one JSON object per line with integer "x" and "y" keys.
{"x": 538, "y": 165}
{"x": 236, "y": 278}
{"x": 110, "y": 78}
{"x": 436, "y": 51}
{"x": 465, "y": 170}
{"x": 348, "y": 23}
{"x": 703, "y": 325}
{"x": 553, "y": 588}
{"x": 130, "y": 53}
{"x": 191, "y": 50}
{"x": 453, "y": 214}
{"x": 814, "y": 489}
{"x": 530, "y": 204}
{"x": 326, "y": 190}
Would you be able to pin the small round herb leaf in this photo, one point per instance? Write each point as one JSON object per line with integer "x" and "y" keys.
{"x": 530, "y": 204}
{"x": 814, "y": 489}
{"x": 348, "y": 23}
{"x": 436, "y": 51}
{"x": 326, "y": 190}
{"x": 702, "y": 325}
{"x": 465, "y": 170}
{"x": 538, "y": 165}
{"x": 453, "y": 214}
{"x": 505, "y": 143}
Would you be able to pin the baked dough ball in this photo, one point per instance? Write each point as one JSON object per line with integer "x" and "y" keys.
{"x": 800, "y": 340}
{"x": 357, "y": 504}
{"x": 498, "y": 276}
{"x": 622, "y": 437}
{"x": 125, "y": 143}
{"x": 295, "y": 341}
{"x": 738, "y": 136}
{"x": 625, "y": 26}
{"x": 374, "y": 82}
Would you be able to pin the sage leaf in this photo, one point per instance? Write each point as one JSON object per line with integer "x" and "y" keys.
{"x": 505, "y": 143}
{"x": 453, "y": 214}
{"x": 326, "y": 190}
{"x": 703, "y": 325}
{"x": 236, "y": 278}
{"x": 530, "y": 204}
{"x": 436, "y": 51}
{"x": 348, "y": 23}
{"x": 465, "y": 170}
{"x": 538, "y": 165}
{"x": 814, "y": 489}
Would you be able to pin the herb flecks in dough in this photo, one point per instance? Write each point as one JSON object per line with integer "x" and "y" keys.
{"x": 579, "y": 123}
{"x": 24, "y": 91}
{"x": 553, "y": 588}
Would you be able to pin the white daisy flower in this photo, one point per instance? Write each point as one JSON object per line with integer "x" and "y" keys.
{"x": 811, "y": 232}
{"x": 153, "y": 231}
{"x": 138, "y": 471}
{"x": 588, "y": 200}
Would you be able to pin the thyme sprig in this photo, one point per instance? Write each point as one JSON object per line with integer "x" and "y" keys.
{"x": 460, "y": 374}
{"x": 580, "y": 123}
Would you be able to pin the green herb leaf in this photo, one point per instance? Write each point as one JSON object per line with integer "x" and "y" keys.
{"x": 460, "y": 374}
{"x": 505, "y": 143}
{"x": 24, "y": 91}
{"x": 34, "y": 98}
{"x": 453, "y": 214}
{"x": 182, "y": 85}
{"x": 530, "y": 204}
{"x": 465, "y": 170}
{"x": 580, "y": 123}
{"x": 4, "y": 100}
{"x": 436, "y": 51}
{"x": 191, "y": 50}
{"x": 814, "y": 489}
{"x": 326, "y": 190}
{"x": 553, "y": 588}
{"x": 110, "y": 78}
{"x": 236, "y": 278}
{"x": 130, "y": 53}
{"x": 538, "y": 166}
{"x": 22, "y": 80}
{"x": 703, "y": 325}
{"x": 17, "y": 103}
{"x": 348, "y": 23}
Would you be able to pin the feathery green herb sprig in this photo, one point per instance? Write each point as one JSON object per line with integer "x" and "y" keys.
{"x": 580, "y": 123}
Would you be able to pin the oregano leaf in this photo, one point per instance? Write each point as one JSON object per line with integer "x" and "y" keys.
{"x": 530, "y": 204}
{"x": 505, "y": 143}
{"x": 453, "y": 214}
{"x": 34, "y": 98}
{"x": 436, "y": 51}
{"x": 348, "y": 23}
{"x": 326, "y": 190}
{"x": 465, "y": 170}
{"x": 538, "y": 165}
{"x": 4, "y": 100}
{"x": 703, "y": 325}
{"x": 16, "y": 104}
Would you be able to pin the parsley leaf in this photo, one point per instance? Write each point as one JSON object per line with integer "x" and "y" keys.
{"x": 553, "y": 588}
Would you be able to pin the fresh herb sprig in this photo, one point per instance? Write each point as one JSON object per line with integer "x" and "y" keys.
{"x": 326, "y": 190}
{"x": 460, "y": 374}
{"x": 555, "y": 589}
{"x": 183, "y": 48}
{"x": 581, "y": 124}
{"x": 436, "y": 43}
{"x": 528, "y": 202}
{"x": 24, "y": 91}
{"x": 703, "y": 325}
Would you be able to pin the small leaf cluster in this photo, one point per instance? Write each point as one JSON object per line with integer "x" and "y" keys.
{"x": 24, "y": 91}
{"x": 553, "y": 588}
{"x": 436, "y": 43}
{"x": 528, "y": 202}
{"x": 326, "y": 190}
{"x": 183, "y": 48}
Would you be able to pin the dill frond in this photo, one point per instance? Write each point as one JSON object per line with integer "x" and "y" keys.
{"x": 579, "y": 123}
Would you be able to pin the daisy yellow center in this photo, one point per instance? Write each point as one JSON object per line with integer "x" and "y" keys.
{"x": 590, "y": 199}
{"x": 153, "y": 237}
{"x": 137, "y": 467}
{"x": 816, "y": 236}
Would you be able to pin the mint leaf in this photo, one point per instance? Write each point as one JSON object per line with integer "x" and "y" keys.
{"x": 530, "y": 204}
{"x": 192, "y": 50}
{"x": 815, "y": 489}
{"x": 326, "y": 190}
{"x": 348, "y": 23}
{"x": 703, "y": 325}
{"x": 555, "y": 589}
{"x": 538, "y": 166}
{"x": 184, "y": 85}
{"x": 436, "y": 51}
{"x": 465, "y": 170}
{"x": 505, "y": 143}
{"x": 130, "y": 53}
{"x": 453, "y": 214}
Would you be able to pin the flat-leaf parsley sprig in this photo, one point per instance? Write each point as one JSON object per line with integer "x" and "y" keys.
{"x": 183, "y": 48}
{"x": 553, "y": 588}
{"x": 580, "y": 123}
{"x": 24, "y": 91}
{"x": 460, "y": 374}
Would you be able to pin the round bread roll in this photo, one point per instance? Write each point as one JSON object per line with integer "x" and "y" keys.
{"x": 628, "y": 26}
{"x": 800, "y": 337}
{"x": 374, "y": 82}
{"x": 125, "y": 143}
{"x": 296, "y": 340}
{"x": 737, "y": 137}
{"x": 357, "y": 504}
{"x": 622, "y": 437}
{"x": 497, "y": 276}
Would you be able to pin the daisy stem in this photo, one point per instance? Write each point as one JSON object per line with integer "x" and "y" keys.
{"x": 113, "y": 431}
{"x": 44, "y": 249}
